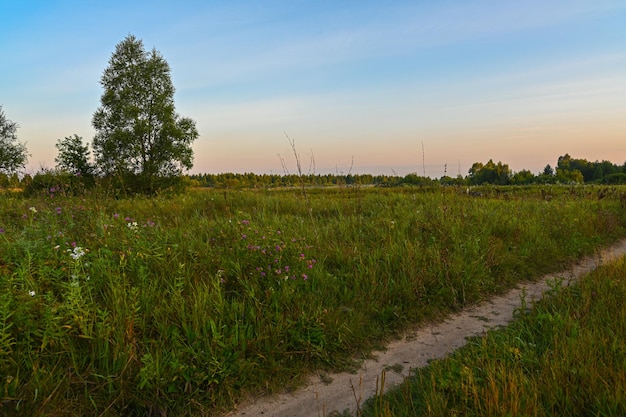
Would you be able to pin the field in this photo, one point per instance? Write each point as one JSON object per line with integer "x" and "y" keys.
{"x": 185, "y": 304}
{"x": 565, "y": 356}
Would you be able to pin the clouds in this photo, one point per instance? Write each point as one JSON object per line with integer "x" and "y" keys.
{"x": 364, "y": 79}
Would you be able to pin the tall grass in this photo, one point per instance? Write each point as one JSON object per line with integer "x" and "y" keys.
{"x": 565, "y": 357}
{"x": 183, "y": 305}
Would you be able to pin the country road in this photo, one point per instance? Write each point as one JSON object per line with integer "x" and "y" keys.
{"x": 347, "y": 391}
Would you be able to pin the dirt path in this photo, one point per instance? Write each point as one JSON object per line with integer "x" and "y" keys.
{"x": 346, "y": 391}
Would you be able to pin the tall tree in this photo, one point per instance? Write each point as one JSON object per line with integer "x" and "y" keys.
{"x": 13, "y": 154}
{"x": 139, "y": 135}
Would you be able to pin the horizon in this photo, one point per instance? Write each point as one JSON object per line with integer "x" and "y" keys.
{"x": 359, "y": 87}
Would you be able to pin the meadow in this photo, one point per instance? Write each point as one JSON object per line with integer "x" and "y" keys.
{"x": 186, "y": 304}
{"x": 563, "y": 356}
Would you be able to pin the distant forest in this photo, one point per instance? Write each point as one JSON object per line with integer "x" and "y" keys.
{"x": 568, "y": 170}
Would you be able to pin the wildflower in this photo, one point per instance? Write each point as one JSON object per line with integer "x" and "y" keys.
{"x": 32, "y": 293}
{"x": 132, "y": 225}
{"x": 76, "y": 253}
{"x": 58, "y": 209}
{"x": 245, "y": 222}
{"x": 116, "y": 216}
{"x": 305, "y": 277}
{"x": 1, "y": 230}
{"x": 33, "y": 209}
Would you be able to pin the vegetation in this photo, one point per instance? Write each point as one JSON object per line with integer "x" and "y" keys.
{"x": 564, "y": 357}
{"x": 74, "y": 156}
{"x": 13, "y": 154}
{"x": 140, "y": 140}
{"x": 568, "y": 171}
{"x": 182, "y": 305}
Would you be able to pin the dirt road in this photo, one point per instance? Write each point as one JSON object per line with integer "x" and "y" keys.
{"x": 321, "y": 398}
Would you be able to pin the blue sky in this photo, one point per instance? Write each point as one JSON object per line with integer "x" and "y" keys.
{"x": 360, "y": 86}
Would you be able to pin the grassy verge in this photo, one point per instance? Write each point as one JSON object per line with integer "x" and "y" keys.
{"x": 563, "y": 357}
{"x": 183, "y": 305}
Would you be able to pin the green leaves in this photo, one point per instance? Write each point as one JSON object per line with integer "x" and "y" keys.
{"x": 140, "y": 138}
{"x": 13, "y": 154}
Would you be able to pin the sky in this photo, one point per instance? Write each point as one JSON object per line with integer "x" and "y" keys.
{"x": 395, "y": 87}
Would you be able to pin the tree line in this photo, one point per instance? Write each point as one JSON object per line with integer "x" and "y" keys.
{"x": 568, "y": 170}
{"x": 142, "y": 145}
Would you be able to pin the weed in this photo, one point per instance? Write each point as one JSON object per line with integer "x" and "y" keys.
{"x": 187, "y": 303}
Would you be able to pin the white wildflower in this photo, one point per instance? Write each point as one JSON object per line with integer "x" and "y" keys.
{"x": 31, "y": 293}
{"x": 33, "y": 209}
{"x": 76, "y": 253}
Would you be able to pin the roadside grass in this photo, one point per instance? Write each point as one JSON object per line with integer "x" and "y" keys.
{"x": 184, "y": 305}
{"x": 564, "y": 357}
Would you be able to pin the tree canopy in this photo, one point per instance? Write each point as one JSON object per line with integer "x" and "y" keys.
{"x": 13, "y": 154}
{"x": 140, "y": 139}
{"x": 489, "y": 173}
{"x": 73, "y": 156}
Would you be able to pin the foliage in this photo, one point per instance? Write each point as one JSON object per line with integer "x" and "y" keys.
{"x": 523, "y": 177}
{"x": 73, "y": 156}
{"x": 13, "y": 155}
{"x": 52, "y": 183}
{"x": 617, "y": 178}
{"x": 184, "y": 305}
{"x": 587, "y": 171}
{"x": 140, "y": 139}
{"x": 489, "y": 173}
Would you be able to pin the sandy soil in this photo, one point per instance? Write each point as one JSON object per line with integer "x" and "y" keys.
{"x": 347, "y": 391}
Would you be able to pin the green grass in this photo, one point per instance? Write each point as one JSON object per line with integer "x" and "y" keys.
{"x": 565, "y": 357}
{"x": 185, "y": 304}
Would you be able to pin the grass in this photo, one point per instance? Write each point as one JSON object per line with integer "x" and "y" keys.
{"x": 183, "y": 305}
{"x": 564, "y": 357}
